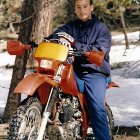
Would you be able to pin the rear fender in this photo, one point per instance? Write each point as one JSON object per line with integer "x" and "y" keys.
{"x": 31, "y": 82}
{"x": 112, "y": 84}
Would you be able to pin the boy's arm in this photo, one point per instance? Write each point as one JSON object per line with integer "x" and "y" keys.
{"x": 102, "y": 43}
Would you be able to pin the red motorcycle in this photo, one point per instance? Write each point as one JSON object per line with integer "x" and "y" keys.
{"x": 54, "y": 109}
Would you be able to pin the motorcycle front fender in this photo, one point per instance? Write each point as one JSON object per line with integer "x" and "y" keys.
{"x": 31, "y": 82}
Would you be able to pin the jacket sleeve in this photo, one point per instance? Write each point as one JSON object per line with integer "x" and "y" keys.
{"x": 101, "y": 43}
{"x": 64, "y": 28}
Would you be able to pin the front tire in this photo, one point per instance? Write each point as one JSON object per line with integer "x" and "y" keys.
{"x": 26, "y": 120}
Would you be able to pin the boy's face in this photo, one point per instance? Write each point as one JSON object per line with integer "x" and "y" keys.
{"x": 83, "y": 9}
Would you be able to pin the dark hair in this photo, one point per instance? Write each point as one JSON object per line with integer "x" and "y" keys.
{"x": 91, "y": 2}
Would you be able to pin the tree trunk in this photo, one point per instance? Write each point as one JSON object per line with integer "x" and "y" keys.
{"x": 123, "y": 27}
{"x": 42, "y": 25}
{"x": 19, "y": 69}
{"x": 35, "y": 27}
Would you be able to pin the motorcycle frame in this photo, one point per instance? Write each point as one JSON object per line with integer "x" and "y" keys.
{"x": 43, "y": 84}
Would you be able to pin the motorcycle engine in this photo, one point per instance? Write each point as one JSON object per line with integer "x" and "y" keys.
{"x": 67, "y": 124}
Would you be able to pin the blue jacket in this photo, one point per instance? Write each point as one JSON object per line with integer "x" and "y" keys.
{"x": 89, "y": 35}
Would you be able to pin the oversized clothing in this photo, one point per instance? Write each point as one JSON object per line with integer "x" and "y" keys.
{"x": 91, "y": 35}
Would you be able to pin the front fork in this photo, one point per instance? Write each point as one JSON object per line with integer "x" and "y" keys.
{"x": 47, "y": 112}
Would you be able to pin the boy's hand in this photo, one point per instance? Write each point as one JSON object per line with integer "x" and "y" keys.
{"x": 67, "y": 37}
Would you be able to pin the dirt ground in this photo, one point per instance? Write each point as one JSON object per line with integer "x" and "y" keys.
{"x": 126, "y": 138}
{"x": 4, "y": 129}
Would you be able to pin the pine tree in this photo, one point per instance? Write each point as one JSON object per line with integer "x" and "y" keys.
{"x": 34, "y": 26}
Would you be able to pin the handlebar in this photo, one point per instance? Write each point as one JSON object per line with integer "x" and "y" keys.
{"x": 94, "y": 57}
{"x": 17, "y": 48}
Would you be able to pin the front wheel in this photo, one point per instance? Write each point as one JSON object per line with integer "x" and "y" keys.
{"x": 26, "y": 120}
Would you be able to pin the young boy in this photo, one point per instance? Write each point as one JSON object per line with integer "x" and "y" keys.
{"x": 87, "y": 33}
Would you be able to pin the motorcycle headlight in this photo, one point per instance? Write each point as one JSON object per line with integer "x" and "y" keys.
{"x": 46, "y": 64}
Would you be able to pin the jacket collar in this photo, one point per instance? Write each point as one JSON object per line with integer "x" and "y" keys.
{"x": 87, "y": 23}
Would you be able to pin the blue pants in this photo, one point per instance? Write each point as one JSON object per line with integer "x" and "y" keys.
{"x": 94, "y": 87}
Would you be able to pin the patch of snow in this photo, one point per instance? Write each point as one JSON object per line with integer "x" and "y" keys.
{"x": 5, "y": 59}
{"x": 117, "y": 54}
{"x": 125, "y": 101}
{"x": 132, "y": 37}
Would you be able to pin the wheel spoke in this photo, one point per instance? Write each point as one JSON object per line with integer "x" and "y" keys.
{"x": 32, "y": 120}
{"x": 26, "y": 121}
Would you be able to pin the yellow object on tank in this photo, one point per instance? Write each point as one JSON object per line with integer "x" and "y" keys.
{"x": 51, "y": 51}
